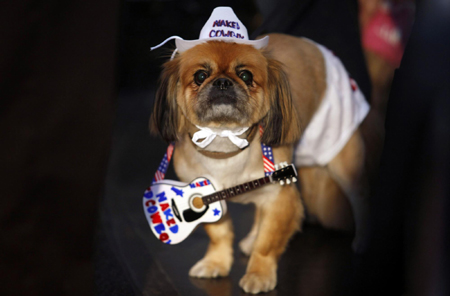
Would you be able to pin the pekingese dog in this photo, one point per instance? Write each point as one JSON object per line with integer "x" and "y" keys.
{"x": 227, "y": 86}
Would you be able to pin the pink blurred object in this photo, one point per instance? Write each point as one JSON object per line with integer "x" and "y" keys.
{"x": 387, "y": 32}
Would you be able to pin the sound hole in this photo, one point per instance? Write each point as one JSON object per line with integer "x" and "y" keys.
{"x": 197, "y": 202}
{"x": 197, "y": 209}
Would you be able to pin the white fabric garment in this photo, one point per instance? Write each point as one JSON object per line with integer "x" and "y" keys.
{"x": 209, "y": 135}
{"x": 341, "y": 111}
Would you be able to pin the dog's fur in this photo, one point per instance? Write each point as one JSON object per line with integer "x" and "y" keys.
{"x": 287, "y": 87}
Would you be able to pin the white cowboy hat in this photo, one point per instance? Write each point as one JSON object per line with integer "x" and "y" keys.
{"x": 222, "y": 25}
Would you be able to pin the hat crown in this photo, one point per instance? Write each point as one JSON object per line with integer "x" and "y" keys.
{"x": 223, "y": 23}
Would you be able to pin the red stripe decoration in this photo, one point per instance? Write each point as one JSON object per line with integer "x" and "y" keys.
{"x": 159, "y": 176}
{"x": 170, "y": 152}
{"x": 162, "y": 169}
{"x": 268, "y": 165}
{"x": 353, "y": 84}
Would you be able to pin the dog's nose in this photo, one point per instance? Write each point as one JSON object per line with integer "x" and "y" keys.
{"x": 222, "y": 83}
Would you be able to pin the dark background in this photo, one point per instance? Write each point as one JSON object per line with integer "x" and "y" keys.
{"x": 77, "y": 83}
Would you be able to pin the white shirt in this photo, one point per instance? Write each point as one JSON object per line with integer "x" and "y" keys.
{"x": 342, "y": 109}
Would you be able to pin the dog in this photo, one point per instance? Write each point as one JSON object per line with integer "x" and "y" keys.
{"x": 281, "y": 87}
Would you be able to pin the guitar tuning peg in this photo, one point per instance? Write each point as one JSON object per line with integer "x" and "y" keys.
{"x": 281, "y": 182}
{"x": 276, "y": 167}
{"x": 288, "y": 181}
{"x": 294, "y": 179}
{"x": 285, "y": 163}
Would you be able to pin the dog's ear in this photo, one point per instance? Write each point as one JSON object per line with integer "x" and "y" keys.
{"x": 165, "y": 118}
{"x": 281, "y": 124}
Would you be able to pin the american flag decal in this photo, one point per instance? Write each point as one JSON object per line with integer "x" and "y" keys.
{"x": 267, "y": 153}
{"x": 162, "y": 169}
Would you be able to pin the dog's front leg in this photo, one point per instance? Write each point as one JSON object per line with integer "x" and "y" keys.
{"x": 246, "y": 244}
{"x": 219, "y": 255}
{"x": 279, "y": 218}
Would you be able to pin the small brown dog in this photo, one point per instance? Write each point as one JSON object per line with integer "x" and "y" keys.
{"x": 227, "y": 85}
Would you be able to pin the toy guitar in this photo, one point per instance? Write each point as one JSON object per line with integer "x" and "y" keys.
{"x": 174, "y": 209}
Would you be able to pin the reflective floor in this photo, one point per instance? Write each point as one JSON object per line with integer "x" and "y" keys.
{"x": 131, "y": 261}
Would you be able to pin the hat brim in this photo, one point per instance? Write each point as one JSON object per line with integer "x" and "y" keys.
{"x": 183, "y": 45}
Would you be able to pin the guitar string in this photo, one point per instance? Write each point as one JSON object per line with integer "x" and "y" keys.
{"x": 229, "y": 192}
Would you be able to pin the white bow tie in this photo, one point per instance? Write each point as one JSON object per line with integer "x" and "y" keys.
{"x": 209, "y": 135}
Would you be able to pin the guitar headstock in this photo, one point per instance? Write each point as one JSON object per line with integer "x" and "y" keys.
{"x": 285, "y": 173}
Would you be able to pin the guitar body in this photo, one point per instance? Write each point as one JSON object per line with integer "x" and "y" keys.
{"x": 173, "y": 210}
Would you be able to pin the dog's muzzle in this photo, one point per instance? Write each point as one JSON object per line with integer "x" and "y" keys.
{"x": 223, "y": 92}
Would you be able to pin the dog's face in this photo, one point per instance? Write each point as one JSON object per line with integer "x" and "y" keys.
{"x": 223, "y": 84}
{"x": 226, "y": 85}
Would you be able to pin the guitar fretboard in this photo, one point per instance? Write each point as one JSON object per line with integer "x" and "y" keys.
{"x": 236, "y": 190}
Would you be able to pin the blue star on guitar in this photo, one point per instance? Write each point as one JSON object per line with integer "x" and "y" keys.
{"x": 177, "y": 191}
{"x": 216, "y": 212}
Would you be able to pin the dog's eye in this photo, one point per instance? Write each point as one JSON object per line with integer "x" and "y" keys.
{"x": 246, "y": 76}
{"x": 200, "y": 76}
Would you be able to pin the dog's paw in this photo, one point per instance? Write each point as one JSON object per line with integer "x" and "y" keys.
{"x": 246, "y": 244}
{"x": 255, "y": 283}
{"x": 206, "y": 268}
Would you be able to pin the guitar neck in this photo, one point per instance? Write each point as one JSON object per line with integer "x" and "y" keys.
{"x": 236, "y": 190}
